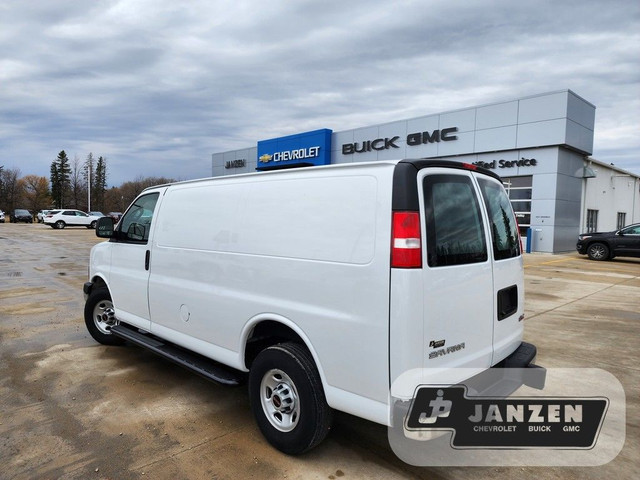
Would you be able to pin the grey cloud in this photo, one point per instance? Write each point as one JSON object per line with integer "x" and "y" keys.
{"x": 158, "y": 86}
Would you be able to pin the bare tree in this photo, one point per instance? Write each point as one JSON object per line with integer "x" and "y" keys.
{"x": 78, "y": 184}
{"x": 36, "y": 193}
{"x": 117, "y": 199}
{"x": 11, "y": 193}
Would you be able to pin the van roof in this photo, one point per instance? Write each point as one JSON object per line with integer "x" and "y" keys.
{"x": 418, "y": 163}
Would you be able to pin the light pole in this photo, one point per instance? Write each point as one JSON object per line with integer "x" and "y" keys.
{"x": 89, "y": 187}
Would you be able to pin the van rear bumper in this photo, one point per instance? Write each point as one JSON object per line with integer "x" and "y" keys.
{"x": 507, "y": 376}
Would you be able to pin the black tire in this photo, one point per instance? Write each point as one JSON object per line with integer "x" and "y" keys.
{"x": 99, "y": 316}
{"x": 598, "y": 251}
{"x": 60, "y": 224}
{"x": 287, "y": 398}
{"x": 93, "y": 224}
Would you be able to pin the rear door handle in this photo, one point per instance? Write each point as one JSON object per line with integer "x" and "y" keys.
{"x": 147, "y": 257}
{"x": 507, "y": 302}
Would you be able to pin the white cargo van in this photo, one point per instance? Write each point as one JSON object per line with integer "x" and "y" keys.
{"x": 325, "y": 284}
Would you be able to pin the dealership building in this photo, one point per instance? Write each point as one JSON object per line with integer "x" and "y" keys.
{"x": 540, "y": 145}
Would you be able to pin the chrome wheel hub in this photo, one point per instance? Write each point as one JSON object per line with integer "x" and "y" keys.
{"x": 104, "y": 316}
{"x": 279, "y": 400}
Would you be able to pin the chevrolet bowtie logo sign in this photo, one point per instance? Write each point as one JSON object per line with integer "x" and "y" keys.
{"x": 265, "y": 158}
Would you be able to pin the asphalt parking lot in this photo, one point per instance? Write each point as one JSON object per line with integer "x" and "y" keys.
{"x": 71, "y": 408}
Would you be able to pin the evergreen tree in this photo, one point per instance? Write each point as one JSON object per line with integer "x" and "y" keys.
{"x": 60, "y": 179}
{"x": 100, "y": 183}
{"x": 55, "y": 185}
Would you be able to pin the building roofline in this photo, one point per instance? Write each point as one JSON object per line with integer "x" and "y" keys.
{"x": 610, "y": 166}
{"x": 473, "y": 107}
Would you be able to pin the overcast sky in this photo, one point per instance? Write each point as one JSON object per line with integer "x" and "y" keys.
{"x": 157, "y": 86}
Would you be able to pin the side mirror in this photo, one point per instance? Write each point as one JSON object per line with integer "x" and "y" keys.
{"x": 104, "y": 228}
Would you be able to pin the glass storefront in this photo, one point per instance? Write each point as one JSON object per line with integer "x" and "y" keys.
{"x": 519, "y": 191}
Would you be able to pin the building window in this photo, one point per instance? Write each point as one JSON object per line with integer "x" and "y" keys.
{"x": 622, "y": 220}
{"x": 519, "y": 192}
{"x": 592, "y": 221}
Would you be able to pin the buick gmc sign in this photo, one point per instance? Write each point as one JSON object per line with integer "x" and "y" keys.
{"x": 413, "y": 139}
{"x": 303, "y": 149}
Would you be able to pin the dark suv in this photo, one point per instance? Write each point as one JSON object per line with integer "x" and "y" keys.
{"x": 21, "y": 215}
{"x": 606, "y": 245}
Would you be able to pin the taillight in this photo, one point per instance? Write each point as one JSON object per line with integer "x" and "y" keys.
{"x": 406, "y": 246}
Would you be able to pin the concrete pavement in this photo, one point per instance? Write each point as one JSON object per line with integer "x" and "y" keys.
{"x": 71, "y": 408}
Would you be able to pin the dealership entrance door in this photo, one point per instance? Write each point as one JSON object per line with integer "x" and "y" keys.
{"x": 519, "y": 191}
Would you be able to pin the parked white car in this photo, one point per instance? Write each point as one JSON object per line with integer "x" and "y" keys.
{"x": 70, "y": 218}
{"x": 41, "y": 214}
{"x": 1, "y": 216}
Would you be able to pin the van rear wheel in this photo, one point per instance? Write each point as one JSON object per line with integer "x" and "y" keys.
{"x": 287, "y": 398}
{"x": 99, "y": 317}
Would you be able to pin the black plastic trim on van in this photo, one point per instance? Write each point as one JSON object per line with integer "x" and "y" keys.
{"x": 203, "y": 366}
{"x": 405, "y": 186}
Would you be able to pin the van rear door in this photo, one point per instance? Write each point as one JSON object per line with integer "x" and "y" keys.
{"x": 457, "y": 271}
{"x": 508, "y": 276}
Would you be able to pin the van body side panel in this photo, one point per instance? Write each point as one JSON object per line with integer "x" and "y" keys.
{"x": 306, "y": 246}
{"x": 100, "y": 261}
{"x": 407, "y": 322}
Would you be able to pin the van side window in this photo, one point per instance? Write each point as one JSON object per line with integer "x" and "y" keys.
{"x": 455, "y": 233}
{"x": 504, "y": 230}
{"x": 136, "y": 222}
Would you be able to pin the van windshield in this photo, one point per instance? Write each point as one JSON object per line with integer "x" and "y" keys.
{"x": 504, "y": 230}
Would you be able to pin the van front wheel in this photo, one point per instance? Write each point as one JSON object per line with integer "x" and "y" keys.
{"x": 99, "y": 317}
{"x": 287, "y": 398}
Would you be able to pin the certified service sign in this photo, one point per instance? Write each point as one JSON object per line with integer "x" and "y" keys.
{"x": 300, "y": 150}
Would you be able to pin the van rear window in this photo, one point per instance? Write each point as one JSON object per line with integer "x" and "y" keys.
{"x": 504, "y": 230}
{"x": 455, "y": 233}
